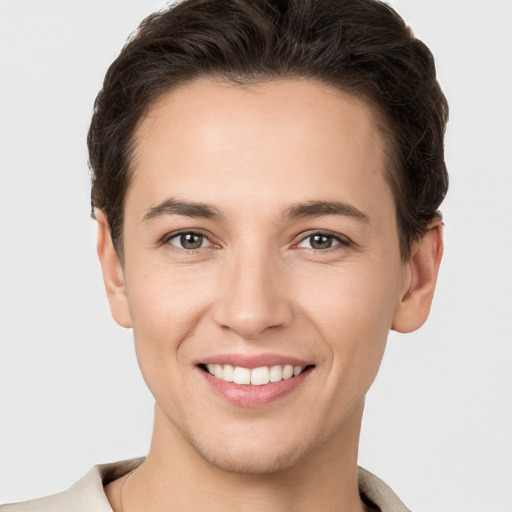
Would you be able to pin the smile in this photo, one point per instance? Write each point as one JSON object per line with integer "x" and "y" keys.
{"x": 255, "y": 376}
{"x": 254, "y": 380}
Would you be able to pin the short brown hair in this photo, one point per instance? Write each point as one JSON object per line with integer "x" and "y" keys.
{"x": 362, "y": 47}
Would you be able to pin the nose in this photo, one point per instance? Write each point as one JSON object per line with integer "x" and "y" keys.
{"x": 253, "y": 297}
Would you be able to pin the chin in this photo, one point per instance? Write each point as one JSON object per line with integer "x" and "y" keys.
{"x": 261, "y": 456}
{"x": 254, "y": 462}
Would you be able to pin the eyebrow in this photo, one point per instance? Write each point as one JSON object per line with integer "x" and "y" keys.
{"x": 321, "y": 208}
{"x": 173, "y": 206}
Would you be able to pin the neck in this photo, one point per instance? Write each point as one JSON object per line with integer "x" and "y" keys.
{"x": 174, "y": 476}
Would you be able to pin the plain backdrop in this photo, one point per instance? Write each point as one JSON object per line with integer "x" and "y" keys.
{"x": 438, "y": 425}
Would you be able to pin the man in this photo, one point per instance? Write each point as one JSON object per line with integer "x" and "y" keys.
{"x": 266, "y": 181}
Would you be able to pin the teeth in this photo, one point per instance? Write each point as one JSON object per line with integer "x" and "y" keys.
{"x": 241, "y": 375}
{"x": 287, "y": 371}
{"x": 276, "y": 373}
{"x": 227, "y": 373}
{"x": 257, "y": 376}
{"x": 260, "y": 376}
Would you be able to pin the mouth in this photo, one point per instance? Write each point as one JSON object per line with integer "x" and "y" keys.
{"x": 260, "y": 376}
{"x": 253, "y": 382}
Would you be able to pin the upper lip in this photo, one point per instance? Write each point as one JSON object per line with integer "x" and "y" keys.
{"x": 253, "y": 361}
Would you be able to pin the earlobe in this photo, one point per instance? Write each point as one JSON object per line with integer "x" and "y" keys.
{"x": 113, "y": 275}
{"x": 414, "y": 307}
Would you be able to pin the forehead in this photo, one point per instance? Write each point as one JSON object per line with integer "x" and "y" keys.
{"x": 277, "y": 142}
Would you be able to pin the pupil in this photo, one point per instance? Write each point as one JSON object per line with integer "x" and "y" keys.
{"x": 321, "y": 242}
{"x": 191, "y": 241}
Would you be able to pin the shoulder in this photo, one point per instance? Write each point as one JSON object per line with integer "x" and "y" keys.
{"x": 378, "y": 494}
{"x": 86, "y": 495}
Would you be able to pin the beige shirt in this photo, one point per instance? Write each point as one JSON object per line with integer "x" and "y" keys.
{"x": 87, "y": 494}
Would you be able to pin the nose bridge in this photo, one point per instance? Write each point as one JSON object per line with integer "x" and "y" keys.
{"x": 252, "y": 293}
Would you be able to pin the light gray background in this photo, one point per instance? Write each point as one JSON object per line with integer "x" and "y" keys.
{"x": 438, "y": 424}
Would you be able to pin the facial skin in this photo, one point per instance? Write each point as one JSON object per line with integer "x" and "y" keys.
{"x": 259, "y": 283}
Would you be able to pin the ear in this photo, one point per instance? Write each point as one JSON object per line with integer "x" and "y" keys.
{"x": 113, "y": 275}
{"x": 414, "y": 307}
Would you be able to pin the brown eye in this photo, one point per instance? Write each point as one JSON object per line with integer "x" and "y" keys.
{"x": 189, "y": 241}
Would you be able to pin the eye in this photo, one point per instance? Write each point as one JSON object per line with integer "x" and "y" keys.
{"x": 188, "y": 240}
{"x": 321, "y": 241}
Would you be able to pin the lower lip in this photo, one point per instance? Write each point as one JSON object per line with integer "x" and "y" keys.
{"x": 251, "y": 396}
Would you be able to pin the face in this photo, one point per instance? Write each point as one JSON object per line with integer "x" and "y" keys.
{"x": 262, "y": 269}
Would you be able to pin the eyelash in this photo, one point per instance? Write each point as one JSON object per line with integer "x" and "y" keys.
{"x": 166, "y": 239}
{"x": 340, "y": 240}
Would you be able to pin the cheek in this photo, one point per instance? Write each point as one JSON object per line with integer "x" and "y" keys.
{"x": 353, "y": 311}
{"x": 165, "y": 308}
{"x": 355, "y": 332}
{"x": 356, "y": 297}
